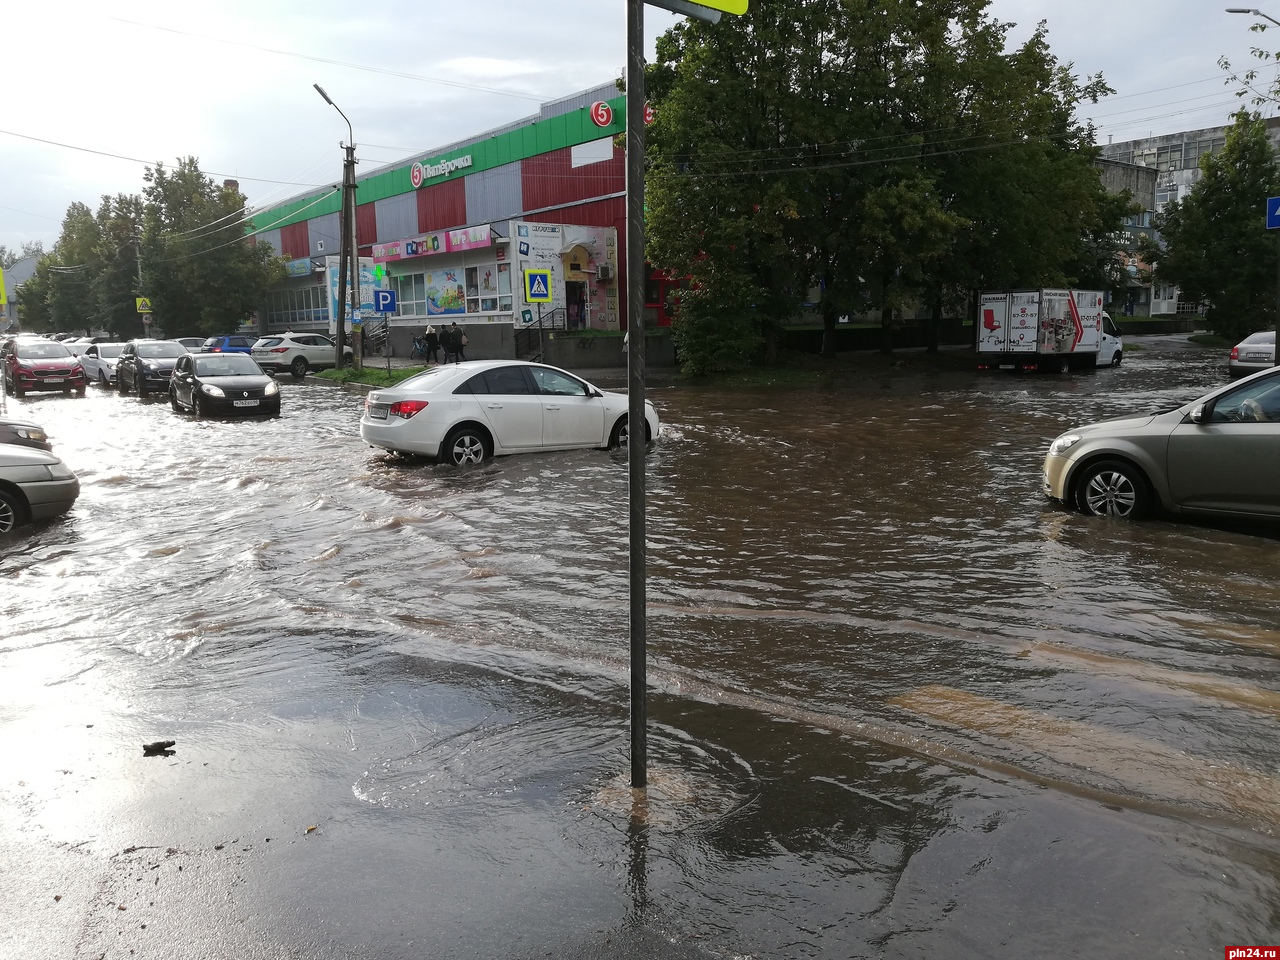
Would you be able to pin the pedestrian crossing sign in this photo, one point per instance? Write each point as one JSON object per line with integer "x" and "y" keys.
{"x": 537, "y": 286}
{"x": 144, "y": 304}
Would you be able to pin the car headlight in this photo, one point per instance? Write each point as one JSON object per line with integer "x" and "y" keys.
{"x": 1063, "y": 444}
{"x": 211, "y": 390}
{"x": 30, "y": 433}
{"x": 272, "y": 389}
{"x": 149, "y": 367}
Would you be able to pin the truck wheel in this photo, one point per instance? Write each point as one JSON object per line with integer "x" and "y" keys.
{"x": 1117, "y": 357}
{"x": 1064, "y": 365}
{"x": 1113, "y": 488}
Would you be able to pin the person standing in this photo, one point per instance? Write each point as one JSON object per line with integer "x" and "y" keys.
{"x": 433, "y": 345}
{"x": 457, "y": 343}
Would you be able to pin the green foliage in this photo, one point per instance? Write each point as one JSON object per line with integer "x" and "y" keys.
{"x": 182, "y": 245}
{"x": 1213, "y": 244}
{"x": 203, "y": 276}
{"x": 874, "y": 156}
{"x": 32, "y": 248}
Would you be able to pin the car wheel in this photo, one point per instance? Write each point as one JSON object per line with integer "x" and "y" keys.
{"x": 1115, "y": 360}
{"x": 619, "y": 437}
{"x": 13, "y": 512}
{"x": 465, "y": 445}
{"x": 141, "y": 386}
{"x": 102, "y": 380}
{"x": 1113, "y": 488}
{"x": 173, "y": 401}
{"x": 80, "y": 391}
{"x": 197, "y": 407}
{"x": 298, "y": 368}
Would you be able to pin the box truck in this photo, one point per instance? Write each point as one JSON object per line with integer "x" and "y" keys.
{"x": 1045, "y": 330}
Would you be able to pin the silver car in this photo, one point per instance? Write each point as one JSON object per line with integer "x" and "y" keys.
{"x": 1255, "y": 352}
{"x": 34, "y": 485}
{"x": 99, "y": 362}
{"x": 1216, "y": 456}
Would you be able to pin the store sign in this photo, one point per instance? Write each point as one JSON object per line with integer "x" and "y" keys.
{"x": 601, "y": 113}
{"x": 298, "y": 268}
{"x": 420, "y": 173}
{"x": 470, "y": 238}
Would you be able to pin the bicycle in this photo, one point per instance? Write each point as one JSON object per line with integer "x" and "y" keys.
{"x": 419, "y": 348}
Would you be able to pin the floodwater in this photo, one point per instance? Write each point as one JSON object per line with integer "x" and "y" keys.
{"x": 900, "y": 705}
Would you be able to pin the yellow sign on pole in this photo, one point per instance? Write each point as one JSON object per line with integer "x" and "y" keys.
{"x": 4, "y": 298}
{"x": 735, "y": 7}
{"x": 144, "y": 304}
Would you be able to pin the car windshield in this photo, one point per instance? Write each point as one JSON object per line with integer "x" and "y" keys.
{"x": 226, "y": 365}
{"x": 109, "y": 350}
{"x": 37, "y": 351}
{"x": 155, "y": 350}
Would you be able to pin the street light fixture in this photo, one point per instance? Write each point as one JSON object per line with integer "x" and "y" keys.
{"x": 348, "y": 253}
{"x": 1248, "y": 10}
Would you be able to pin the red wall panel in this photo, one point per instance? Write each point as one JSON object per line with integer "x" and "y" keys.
{"x": 550, "y": 179}
{"x": 366, "y": 224}
{"x": 442, "y": 206}
{"x": 295, "y": 240}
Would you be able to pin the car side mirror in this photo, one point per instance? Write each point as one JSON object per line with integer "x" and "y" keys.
{"x": 1198, "y": 414}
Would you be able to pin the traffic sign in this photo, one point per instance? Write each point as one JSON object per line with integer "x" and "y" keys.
{"x": 537, "y": 286}
{"x": 144, "y": 304}
{"x": 384, "y": 301}
{"x": 1273, "y": 213}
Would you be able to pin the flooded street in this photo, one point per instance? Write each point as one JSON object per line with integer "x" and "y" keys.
{"x": 901, "y": 706}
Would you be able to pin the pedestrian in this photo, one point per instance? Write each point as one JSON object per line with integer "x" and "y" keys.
{"x": 433, "y": 345}
{"x": 457, "y": 343}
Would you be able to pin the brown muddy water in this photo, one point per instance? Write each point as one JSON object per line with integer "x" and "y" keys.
{"x": 900, "y": 705}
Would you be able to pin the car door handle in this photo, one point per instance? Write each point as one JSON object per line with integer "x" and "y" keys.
{"x": 552, "y": 406}
{"x": 494, "y": 406}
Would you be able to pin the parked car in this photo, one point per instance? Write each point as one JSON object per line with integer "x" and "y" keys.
{"x": 1255, "y": 352}
{"x": 99, "y": 362}
{"x": 193, "y": 344}
{"x": 468, "y": 412}
{"x": 297, "y": 353}
{"x": 24, "y": 433}
{"x": 223, "y": 383}
{"x": 232, "y": 343}
{"x": 1219, "y": 455}
{"x": 146, "y": 365}
{"x": 34, "y": 485}
{"x": 33, "y": 363}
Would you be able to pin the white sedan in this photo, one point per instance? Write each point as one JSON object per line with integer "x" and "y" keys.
{"x": 468, "y": 412}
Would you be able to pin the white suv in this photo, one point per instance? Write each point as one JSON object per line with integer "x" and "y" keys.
{"x": 296, "y": 352}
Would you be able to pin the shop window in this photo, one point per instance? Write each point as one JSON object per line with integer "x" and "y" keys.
{"x": 504, "y": 287}
{"x": 411, "y": 295}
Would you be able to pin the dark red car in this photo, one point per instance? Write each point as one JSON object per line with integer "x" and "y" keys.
{"x": 31, "y": 364}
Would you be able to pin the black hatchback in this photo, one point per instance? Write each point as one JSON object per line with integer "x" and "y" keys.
{"x": 146, "y": 365}
{"x": 223, "y": 384}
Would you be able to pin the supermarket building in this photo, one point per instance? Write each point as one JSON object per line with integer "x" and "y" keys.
{"x": 452, "y": 231}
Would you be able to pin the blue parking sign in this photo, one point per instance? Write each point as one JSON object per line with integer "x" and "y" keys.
{"x": 384, "y": 301}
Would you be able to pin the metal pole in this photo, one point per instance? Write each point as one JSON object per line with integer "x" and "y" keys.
{"x": 350, "y": 227}
{"x": 340, "y": 337}
{"x": 635, "y": 387}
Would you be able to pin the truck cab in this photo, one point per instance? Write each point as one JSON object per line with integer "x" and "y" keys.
{"x": 1110, "y": 344}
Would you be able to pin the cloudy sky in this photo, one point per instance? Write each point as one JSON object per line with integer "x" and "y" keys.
{"x": 97, "y": 89}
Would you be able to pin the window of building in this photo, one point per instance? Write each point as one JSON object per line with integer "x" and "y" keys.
{"x": 297, "y": 305}
{"x": 411, "y": 295}
{"x": 1169, "y": 158}
{"x": 482, "y": 287}
{"x": 504, "y": 286}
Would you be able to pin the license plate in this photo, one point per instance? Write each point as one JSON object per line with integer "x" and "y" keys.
{"x": 1256, "y": 356}
{"x": 378, "y": 411}
{"x": 244, "y": 403}
{"x": 53, "y": 379}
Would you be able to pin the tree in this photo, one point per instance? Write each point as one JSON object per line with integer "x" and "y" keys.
{"x": 880, "y": 155}
{"x": 1212, "y": 242}
{"x": 31, "y": 248}
{"x": 201, "y": 272}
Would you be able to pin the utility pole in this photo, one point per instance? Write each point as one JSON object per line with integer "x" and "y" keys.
{"x": 348, "y": 254}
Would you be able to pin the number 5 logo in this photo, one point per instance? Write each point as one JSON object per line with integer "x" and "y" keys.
{"x": 601, "y": 114}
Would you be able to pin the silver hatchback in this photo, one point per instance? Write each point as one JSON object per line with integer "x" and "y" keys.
{"x": 1216, "y": 456}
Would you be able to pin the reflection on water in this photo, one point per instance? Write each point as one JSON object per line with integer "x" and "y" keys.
{"x": 886, "y": 673}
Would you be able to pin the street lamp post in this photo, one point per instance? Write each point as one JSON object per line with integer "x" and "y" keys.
{"x": 1252, "y": 12}
{"x": 348, "y": 255}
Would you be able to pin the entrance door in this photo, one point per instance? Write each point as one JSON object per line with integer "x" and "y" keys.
{"x": 575, "y": 296}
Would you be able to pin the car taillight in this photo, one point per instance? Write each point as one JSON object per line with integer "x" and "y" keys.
{"x": 1235, "y": 353}
{"x": 216, "y": 350}
{"x": 279, "y": 349}
{"x": 407, "y": 408}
